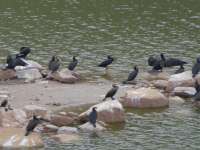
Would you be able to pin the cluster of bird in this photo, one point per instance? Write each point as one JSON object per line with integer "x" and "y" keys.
{"x": 157, "y": 63}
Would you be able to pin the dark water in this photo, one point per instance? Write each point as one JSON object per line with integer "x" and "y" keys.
{"x": 130, "y": 30}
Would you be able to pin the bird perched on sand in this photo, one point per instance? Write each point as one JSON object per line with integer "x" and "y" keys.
{"x": 32, "y": 124}
{"x": 73, "y": 64}
{"x": 132, "y": 75}
{"x": 4, "y": 103}
{"x": 170, "y": 62}
{"x": 111, "y": 92}
{"x": 106, "y": 62}
{"x": 196, "y": 67}
{"x": 54, "y": 64}
{"x": 93, "y": 116}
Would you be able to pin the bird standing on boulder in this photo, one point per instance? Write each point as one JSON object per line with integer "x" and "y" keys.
{"x": 106, "y": 62}
{"x": 93, "y": 117}
{"x": 32, "y": 124}
{"x": 132, "y": 75}
{"x": 170, "y": 62}
{"x": 4, "y": 103}
{"x": 54, "y": 64}
{"x": 111, "y": 92}
{"x": 24, "y": 51}
{"x": 196, "y": 68}
{"x": 73, "y": 64}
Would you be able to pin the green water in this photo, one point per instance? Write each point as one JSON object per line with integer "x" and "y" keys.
{"x": 130, "y": 30}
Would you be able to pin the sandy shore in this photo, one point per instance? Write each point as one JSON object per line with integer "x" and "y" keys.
{"x": 48, "y": 93}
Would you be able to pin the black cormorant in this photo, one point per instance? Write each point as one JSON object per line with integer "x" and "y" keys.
{"x": 93, "y": 117}
{"x": 32, "y": 124}
{"x": 54, "y": 64}
{"x": 111, "y": 92}
{"x": 4, "y": 103}
{"x": 106, "y": 62}
{"x": 73, "y": 64}
{"x": 196, "y": 67}
{"x": 132, "y": 75}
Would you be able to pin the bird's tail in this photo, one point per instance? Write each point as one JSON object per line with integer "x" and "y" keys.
{"x": 27, "y": 133}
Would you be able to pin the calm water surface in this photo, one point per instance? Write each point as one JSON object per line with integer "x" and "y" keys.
{"x": 130, "y": 30}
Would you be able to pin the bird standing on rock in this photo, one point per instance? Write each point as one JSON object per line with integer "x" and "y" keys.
{"x": 93, "y": 116}
{"x": 32, "y": 124}
{"x": 54, "y": 64}
{"x": 111, "y": 92}
{"x": 73, "y": 64}
{"x": 132, "y": 75}
{"x": 4, "y": 103}
{"x": 24, "y": 51}
{"x": 106, "y": 62}
{"x": 196, "y": 68}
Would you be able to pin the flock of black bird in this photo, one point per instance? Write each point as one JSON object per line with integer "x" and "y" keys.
{"x": 157, "y": 63}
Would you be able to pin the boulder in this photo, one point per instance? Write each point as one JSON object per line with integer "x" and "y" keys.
{"x": 34, "y": 64}
{"x": 144, "y": 98}
{"x": 36, "y": 110}
{"x": 7, "y": 74}
{"x": 160, "y": 84}
{"x": 28, "y": 74}
{"x": 50, "y": 128}
{"x": 65, "y": 138}
{"x": 67, "y": 130}
{"x": 182, "y": 79}
{"x": 88, "y": 127}
{"x": 13, "y": 118}
{"x": 184, "y": 91}
{"x": 176, "y": 100}
{"x": 109, "y": 111}
{"x": 64, "y": 76}
{"x": 13, "y": 138}
{"x": 150, "y": 76}
{"x": 61, "y": 120}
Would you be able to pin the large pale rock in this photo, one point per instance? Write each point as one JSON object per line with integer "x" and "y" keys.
{"x": 64, "y": 76}
{"x": 160, "y": 84}
{"x": 66, "y": 138}
{"x": 34, "y": 64}
{"x": 150, "y": 76}
{"x": 176, "y": 100}
{"x": 67, "y": 130}
{"x": 61, "y": 120}
{"x": 27, "y": 73}
{"x": 36, "y": 110}
{"x": 182, "y": 79}
{"x": 88, "y": 127}
{"x": 110, "y": 111}
{"x": 13, "y": 138}
{"x": 144, "y": 98}
{"x": 7, "y": 74}
{"x": 184, "y": 91}
{"x": 13, "y": 118}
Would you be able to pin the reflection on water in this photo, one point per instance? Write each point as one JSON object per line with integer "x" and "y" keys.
{"x": 129, "y": 30}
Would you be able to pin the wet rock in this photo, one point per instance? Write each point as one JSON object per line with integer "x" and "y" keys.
{"x": 36, "y": 110}
{"x": 150, "y": 76}
{"x": 61, "y": 120}
{"x": 88, "y": 127}
{"x": 27, "y": 74}
{"x": 67, "y": 130}
{"x": 13, "y": 138}
{"x": 144, "y": 98}
{"x": 64, "y": 76}
{"x": 50, "y": 128}
{"x": 176, "y": 100}
{"x": 66, "y": 138}
{"x": 180, "y": 80}
{"x": 110, "y": 111}
{"x": 7, "y": 74}
{"x": 184, "y": 91}
{"x": 12, "y": 118}
{"x": 160, "y": 84}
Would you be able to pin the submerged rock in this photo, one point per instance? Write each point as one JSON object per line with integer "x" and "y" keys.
{"x": 109, "y": 111}
{"x": 65, "y": 76}
{"x": 36, "y": 110}
{"x": 180, "y": 80}
{"x": 7, "y": 74}
{"x": 13, "y": 138}
{"x": 66, "y": 138}
{"x": 144, "y": 98}
{"x": 88, "y": 127}
{"x": 184, "y": 91}
{"x": 13, "y": 118}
